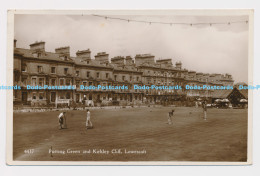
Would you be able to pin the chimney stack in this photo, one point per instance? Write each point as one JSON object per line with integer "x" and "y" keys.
{"x": 63, "y": 52}
{"x": 102, "y": 57}
{"x": 15, "y": 43}
{"x": 38, "y": 46}
{"x": 178, "y": 65}
{"x": 84, "y": 54}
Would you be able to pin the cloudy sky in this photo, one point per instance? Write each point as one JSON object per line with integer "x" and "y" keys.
{"x": 203, "y": 48}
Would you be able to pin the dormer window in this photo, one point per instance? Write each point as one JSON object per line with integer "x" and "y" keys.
{"x": 24, "y": 68}
{"x": 53, "y": 69}
{"x": 77, "y": 73}
{"x": 40, "y": 70}
{"x": 66, "y": 71}
{"x": 39, "y": 55}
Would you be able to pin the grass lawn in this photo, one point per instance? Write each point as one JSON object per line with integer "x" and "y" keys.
{"x": 222, "y": 137}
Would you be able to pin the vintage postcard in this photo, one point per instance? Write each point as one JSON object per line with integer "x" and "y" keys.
{"x": 129, "y": 87}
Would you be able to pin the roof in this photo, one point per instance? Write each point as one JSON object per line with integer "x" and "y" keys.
{"x": 221, "y": 93}
{"x": 37, "y": 43}
{"x": 47, "y": 55}
{"x": 89, "y": 62}
{"x": 128, "y": 68}
{"x": 163, "y": 60}
{"x": 143, "y": 55}
{"x": 244, "y": 92}
{"x": 225, "y": 93}
{"x": 117, "y": 58}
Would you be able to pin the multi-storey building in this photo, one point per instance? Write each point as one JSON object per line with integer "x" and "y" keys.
{"x": 35, "y": 66}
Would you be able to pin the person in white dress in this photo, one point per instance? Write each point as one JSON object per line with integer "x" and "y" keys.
{"x": 88, "y": 122}
{"x": 62, "y": 120}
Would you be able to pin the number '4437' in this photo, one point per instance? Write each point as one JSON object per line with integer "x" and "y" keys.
{"x": 29, "y": 151}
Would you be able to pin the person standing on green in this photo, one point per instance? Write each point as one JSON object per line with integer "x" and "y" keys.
{"x": 62, "y": 120}
{"x": 204, "y": 106}
{"x": 88, "y": 122}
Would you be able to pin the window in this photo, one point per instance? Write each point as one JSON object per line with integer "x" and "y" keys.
{"x": 61, "y": 82}
{"x": 88, "y": 74}
{"x": 40, "y": 70}
{"x": 107, "y": 75}
{"x": 33, "y": 81}
{"x": 24, "y": 68}
{"x": 90, "y": 83}
{"x": 53, "y": 69}
{"x": 87, "y": 62}
{"x": 130, "y": 78}
{"x": 67, "y": 82}
{"x": 24, "y": 81}
{"x": 41, "y": 95}
{"x": 68, "y": 95}
{"x": 84, "y": 83}
{"x": 53, "y": 82}
{"x": 34, "y": 96}
{"x": 77, "y": 73}
{"x": 137, "y": 78}
{"x": 97, "y": 74}
{"x": 90, "y": 96}
{"x": 66, "y": 71}
{"x": 115, "y": 77}
{"x": 16, "y": 76}
{"x": 62, "y": 95}
{"x": 41, "y": 81}
{"x": 39, "y": 54}
{"x": 123, "y": 78}
{"x": 77, "y": 84}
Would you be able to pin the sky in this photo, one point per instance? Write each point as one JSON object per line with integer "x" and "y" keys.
{"x": 203, "y": 48}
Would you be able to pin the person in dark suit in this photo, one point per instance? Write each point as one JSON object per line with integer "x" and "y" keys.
{"x": 170, "y": 115}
